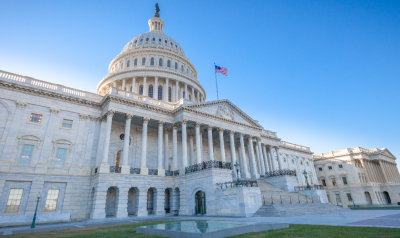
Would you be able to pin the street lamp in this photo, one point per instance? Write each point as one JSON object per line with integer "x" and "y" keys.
{"x": 308, "y": 187}
{"x": 34, "y": 216}
{"x": 237, "y": 167}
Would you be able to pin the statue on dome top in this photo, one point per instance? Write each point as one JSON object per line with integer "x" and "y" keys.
{"x": 157, "y": 14}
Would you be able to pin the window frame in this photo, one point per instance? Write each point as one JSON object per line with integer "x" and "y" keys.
{"x": 65, "y": 157}
{"x": 56, "y": 200}
{"x": 20, "y": 154}
{"x": 143, "y": 61}
{"x": 340, "y": 166}
{"x": 344, "y": 179}
{"x": 151, "y": 92}
{"x": 330, "y": 167}
{"x": 159, "y": 92}
{"x": 68, "y": 119}
{"x": 8, "y": 198}
{"x": 141, "y": 91}
{"x": 349, "y": 197}
{"x": 35, "y": 123}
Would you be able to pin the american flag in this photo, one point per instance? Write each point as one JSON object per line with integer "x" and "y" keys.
{"x": 221, "y": 70}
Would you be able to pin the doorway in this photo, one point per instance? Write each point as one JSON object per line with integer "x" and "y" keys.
{"x": 387, "y": 197}
{"x": 200, "y": 203}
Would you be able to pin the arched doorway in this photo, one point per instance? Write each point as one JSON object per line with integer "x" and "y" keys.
{"x": 150, "y": 201}
{"x": 168, "y": 200}
{"x": 132, "y": 200}
{"x": 368, "y": 198}
{"x": 200, "y": 203}
{"x": 111, "y": 202}
{"x": 176, "y": 198}
{"x": 387, "y": 197}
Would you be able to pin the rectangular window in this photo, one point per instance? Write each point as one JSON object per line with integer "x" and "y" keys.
{"x": 337, "y": 196}
{"x": 26, "y": 155}
{"x": 320, "y": 168}
{"x": 329, "y": 167}
{"x": 60, "y": 158}
{"x": 66, "y": 123}
{"x": 349, "y": 197}
{"x": 340, "y": 166}
{"x": 35, "y": 118}
{"x": 344, "y": 180}
{"x": 334, "y": 182}
{"x": 323, "y": 182}
{"x": 51, "y": 200}
{"x": 14, "y": 200}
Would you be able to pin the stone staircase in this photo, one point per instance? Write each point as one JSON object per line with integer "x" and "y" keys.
{"x": 281, "y": 203}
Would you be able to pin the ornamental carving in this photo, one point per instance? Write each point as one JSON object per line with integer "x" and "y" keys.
{"x": 220, "y": 129}
{"x": 160, "y": 123}
{"x": 83, "y": 116}
{"x": 197, "y": 124}
{"x": 110, "y": 113}
{"x": 94, "y": 119}
{"x": 209, "y": 128}
{"x": 231, "y": 132}
{"x": 21, "y": 105}
{"x": 128, "y": 116}
{"x": 225, "y": 112}
{"x": 175, "y": 126}
{"x": 54, "y": 111}
{"x": 145, "y": 120}
{"x": 184, "y": 122}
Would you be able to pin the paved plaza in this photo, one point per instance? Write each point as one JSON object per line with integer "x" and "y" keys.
{"x": 375, "y": 218}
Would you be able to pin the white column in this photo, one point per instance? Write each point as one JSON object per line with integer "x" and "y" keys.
{"x": 199, "y": 159}
{"x": 161, "y": 171}
{"x": 271, "y": 154}
{"x": 233, "y": 152}
{"x": 210, "y": 143}
{"x": 279, "y": 158}
{"x": 198, "y": 96}
{"x": 177, "y": 91}
{"x": 254, "y": 174}
{"x": 191, "y": 149}
{"x": 267, "y": 169}
{"x": 145, "y": 89}
{"x": 184, "y": 145}
{"x": 123, "y": 84}
{"x": 175, "y": 147}
{"x": 245, "y": 173}
{"x": 134, "y": 85}
{"x": 125, "y": 168}
{"x": 222, "y": 144}
{"x": 166, "y": 90}
{"x": 155, "y": 88}
{"x": 314, "y": 172}
{"x": 261, "y": 158}
{"x": 193, "y": 94}
{"x": 166, "y": 154}
{"x": 186, "y": 92}
{"x": 258, "y": 163}
{"x": 104, "y": 166}
{"x": 143, "y": 165}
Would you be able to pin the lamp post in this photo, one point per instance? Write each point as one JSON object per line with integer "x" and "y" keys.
{"x": 237, "y": 167}
{"x": 308, "y": 187}
{"x": 34, "y": 216}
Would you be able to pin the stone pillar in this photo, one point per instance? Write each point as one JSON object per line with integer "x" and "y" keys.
{"x": 383, "y": 171}
{"x": 175, "y": 147}
{"x": 143, "y": 164}
{"x": 100, "y": 143}
{"x": 199, "y": 158}
{"x": 166, "y": 91}
{"x": 125, "y": 168}
{"x": 267, "y": 169}
{"x": 145, "y": 89}
{"x": 233, "y": 152}
{"x": 141, "y": 201}
{"x": 134, "y": 84}
{"x": 161, "y": 171}
{"x": 191, "y": 148}
{"x": 35, "y": 188}
{"x": 198, "y": 96}
{"x": 159, "y": 202}
{"x": 254, "y": 174}
{"x": 123, "y": 84}
{"x": 166, "y": 154}
{"x": 184, "y": 146}
{"x": 245, "y": 173}
{"x": 210, "y": 143}
{"x": 222, "y": 144}
{"x": 257, "y": 159}
{"x": 104, "y": 166}
{"x": 122, "y": 202}
{"x": 193, "y": 94}
{"x": 177, "y": 91}
{"x": 314, "y": 172}
{"x": 89, "y": 147}
{"x": 279, "y": 158}
{"x": 262, "y": 165}
{"x": 186, "y": 92}
{"x": 271, "y": 154}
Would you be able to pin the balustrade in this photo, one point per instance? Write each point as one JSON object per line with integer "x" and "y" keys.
{"x": 311, "y": 187}
{"x": 134, "y": 171}
{"x": 114, "y": 169}
{"x": 243, "y": 183}
{"x": 171, "y": 173}
{"x": 153, "y": 171}
{"x": 282, "y": 172}
{"x": 208, "y": 165}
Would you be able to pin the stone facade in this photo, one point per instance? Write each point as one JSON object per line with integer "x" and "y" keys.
{"x": 127, "y": 151}
{"x": 358, "y": 176}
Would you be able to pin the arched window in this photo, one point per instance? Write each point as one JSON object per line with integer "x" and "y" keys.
{"x": 169, "y": 94}
{"x": 159, "y": 97}
{"x": 182, "y": 68}
{"x": 176, "y": 65}
{"x": 128, "y": 63}
{"x": 151, "y": 91}
{"x": 143, "y": 61}
{"x": 160, "y": 62}
{"x": 141, "y": 89}
{"x": 135, "y": 62}
{"x": 152, "y": 61}
{"x": 169, "y": 64}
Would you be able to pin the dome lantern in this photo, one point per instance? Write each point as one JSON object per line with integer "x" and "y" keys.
{"x": 156, "y": 24}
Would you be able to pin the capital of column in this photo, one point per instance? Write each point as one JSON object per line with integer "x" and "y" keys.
{"x": 54, "y": 111}
{"x": 231, "y": 132}
{"x": 128, "y": 116}
{"x": 209, "y": 128}
{"x": 175, "y": 126}
{"x": 257, "y": 139}
{"x": 103, "y": 118}
{"x": 21, "y": 105}
{"x": 241, "y": 134}
{"x": 166, "y": 130}
{"x": 145, "y": 120}
{"x": 197, "y": 124}
{"x": 160, "y": 123}
{"x": 184, "y": 122}
{"x": 109, "y": 113}
{"x": 220, "y": 129}
{"x": 276, "y": 147}
{"x": 93, "y": 119}
{"x": 83, "y": 116}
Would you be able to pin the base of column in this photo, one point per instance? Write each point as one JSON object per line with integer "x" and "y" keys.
{"x": 142, "y": 213}
{"x": 245, "y": 175}
{"x": 161, "y": 172}
{"x": 122, "y": 214}
{"x": 255, "y": 176}
{"x": 144, "y": 171}
{"x": 182, "y": 171}
{"x": 104, "y": 168}
{"x": 125, "y": 169}
{"x": 159, "y": 213}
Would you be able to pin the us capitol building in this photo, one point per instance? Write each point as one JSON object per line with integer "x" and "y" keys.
{"x": 147, "y": 143}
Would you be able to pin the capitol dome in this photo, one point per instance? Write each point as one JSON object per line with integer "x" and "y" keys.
{"x": 155, "y": 65}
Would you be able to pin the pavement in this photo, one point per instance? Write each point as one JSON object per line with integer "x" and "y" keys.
{"x": 367, "y": 218}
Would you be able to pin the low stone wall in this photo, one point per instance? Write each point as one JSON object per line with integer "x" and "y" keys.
{"x": 238, "y": 201}
{"x": 316, "y": 195}
{"x": 40, "y": 219}
{"x": 284, "y": 182}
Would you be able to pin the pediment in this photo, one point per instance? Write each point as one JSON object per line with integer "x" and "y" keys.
{"x": 224, "y": 109}
{"x": 387, "y": 153}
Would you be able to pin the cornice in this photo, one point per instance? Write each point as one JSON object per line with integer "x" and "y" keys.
{"x": 294, "y": 149}
{"x": 48, "y": 94}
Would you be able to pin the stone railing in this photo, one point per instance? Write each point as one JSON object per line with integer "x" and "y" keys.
{"x": 288, "y": 199}
{"x": 153, "y": 172}
{"x": 354, "y": 150}
{"x": 131, "y": 95}
{"x": 134, "y": 170}
{"x": 114, "y": 169}
{"x": 49, "y": 86}
{"x": 207, "y": 165}
{"x": 268, "y": 133}
{"x": 232, "y": 184}
{"x": 171, "y": 173}
{"x": 299, "y": 147}
{"x": 282, "y": 172}
{"x": 311, "y": 187}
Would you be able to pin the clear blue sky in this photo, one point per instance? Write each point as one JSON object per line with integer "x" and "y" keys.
{"x": 323, "y": 74}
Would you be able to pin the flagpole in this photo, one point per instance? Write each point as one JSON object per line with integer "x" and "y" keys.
{"x": 216, "y": 81}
